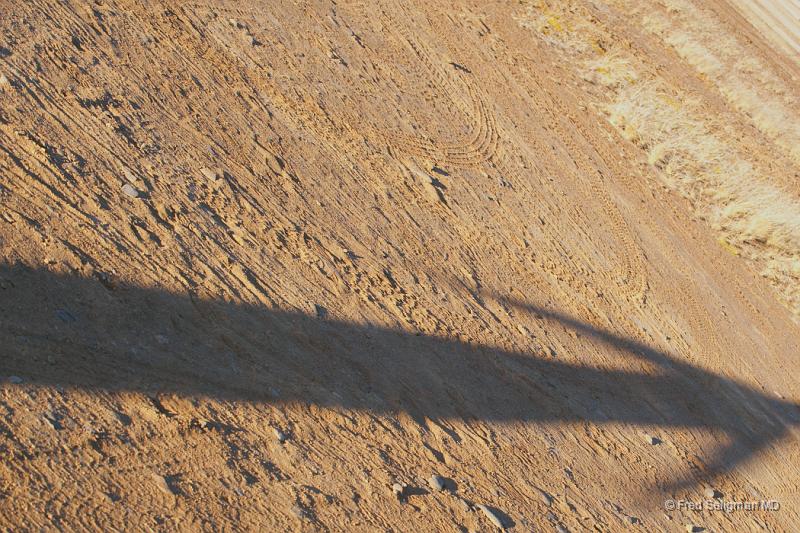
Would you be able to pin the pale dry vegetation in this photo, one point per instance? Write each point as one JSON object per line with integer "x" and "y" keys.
{"x": 748, "y": 84}
{"x": 753, "y": 218}
{"x": 612, "y": 70}
{"x": 690, "y": 147}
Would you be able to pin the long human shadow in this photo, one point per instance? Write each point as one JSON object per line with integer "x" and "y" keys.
{"x": 92, "y": 334}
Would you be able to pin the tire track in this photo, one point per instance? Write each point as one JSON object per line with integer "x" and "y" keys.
{"x": 633, "y": 278}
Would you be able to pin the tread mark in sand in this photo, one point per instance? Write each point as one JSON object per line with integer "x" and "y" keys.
{"x": 482, "y": 146}
{"x": 634, "y": 280}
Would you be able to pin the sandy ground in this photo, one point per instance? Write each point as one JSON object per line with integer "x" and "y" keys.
{"x": 261, "y": 263}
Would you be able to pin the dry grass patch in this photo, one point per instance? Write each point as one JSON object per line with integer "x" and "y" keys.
{"x": 748, "y": 84}
{"x": 755, "y": 219}
{"x": 694, "y": 153}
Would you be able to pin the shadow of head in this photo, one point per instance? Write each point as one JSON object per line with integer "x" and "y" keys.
{"x": 86, "y": 333}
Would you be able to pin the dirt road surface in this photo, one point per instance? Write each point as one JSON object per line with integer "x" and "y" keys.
{"x": 271, "y": 266}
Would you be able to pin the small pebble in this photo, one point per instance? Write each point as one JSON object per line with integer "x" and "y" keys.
{"x": 491, "y": 515}
{"x": 280, "y": 435}
{"x": 200, "y": 423}
{"x": 130, "y": 176}
{"x": 130, "y": 190}
{"x": 652, "y": 440}
{"x": 437, "y": 483}
{"x": 398, "y": 490}
{"x": 274, "y": 163}
{"x": 712, "y": 494}
{"x": 162, "y": 484}
{"x": 694, "y": 529}
{"x": 51, "y": 419}
{"x": 209, "y": 174}
{"x": 544, "y": 497}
